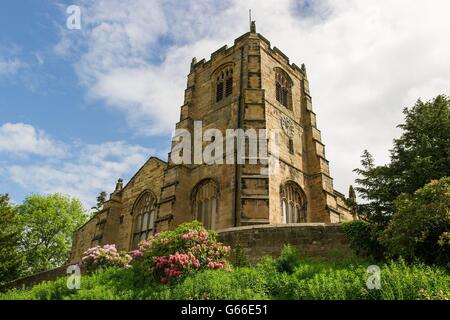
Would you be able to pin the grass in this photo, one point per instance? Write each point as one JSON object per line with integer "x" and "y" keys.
{"x": 288, "y": 277}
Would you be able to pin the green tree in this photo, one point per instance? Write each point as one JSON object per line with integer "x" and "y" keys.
{"x": 351, "y": 201}
{"x": 376, "y": 189}
{"x": 420, "y": 224}
{"x": 48, "y": 223}
{"x": 421, "y": 154}
{"x": 11, "y": 259}
{"x": 101, "y": 199}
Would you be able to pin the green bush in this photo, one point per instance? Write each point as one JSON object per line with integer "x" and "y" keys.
{"x": 400, "y": 281}
{"x": 323, "y": 280}
{"x": 242, "y": 284}
{"x": 315, "y": 280}
{"x": 289, "y": 259}
{"x": 363, "y": 238}
{"x": 419, "y": 228}
{"x": 331, "y": 284}
{"x": 119, "y": 284}
{"x": 49, "y": 290}
{"x": 238, "y": 257}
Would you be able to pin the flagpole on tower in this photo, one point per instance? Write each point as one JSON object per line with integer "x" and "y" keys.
{"x": 250, "y": 18}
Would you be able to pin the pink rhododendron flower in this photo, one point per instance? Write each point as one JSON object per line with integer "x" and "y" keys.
{"x": 137, "y": 253}
{"x": 106, "y": 256}
{"x": 170, "y": 256}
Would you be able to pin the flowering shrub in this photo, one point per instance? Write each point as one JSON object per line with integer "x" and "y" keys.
{"x": 106, "y": 256}
{"x": 171, "y": 255}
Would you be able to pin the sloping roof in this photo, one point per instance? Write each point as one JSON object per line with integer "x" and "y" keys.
{"x": 140, "y": 169}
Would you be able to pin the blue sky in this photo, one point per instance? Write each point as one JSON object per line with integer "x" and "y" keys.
{"x": 81, "y": 108}
{"x": 44, "y": 92}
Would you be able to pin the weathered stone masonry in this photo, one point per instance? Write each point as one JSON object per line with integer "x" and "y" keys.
{"x": 310, "y": 239}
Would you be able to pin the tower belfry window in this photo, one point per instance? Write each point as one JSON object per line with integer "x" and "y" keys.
{"x": 278, "y": 91}
{"x": 224, "y": 84}
{"x": 229, "y": 83}
{"x": 219, "y": 89}
{"x": 283, "y": 91}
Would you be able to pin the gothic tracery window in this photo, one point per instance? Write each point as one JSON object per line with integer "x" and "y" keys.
{"x": 224, "y": 84}
{"x": 144, "y": 216}
{"x": 205, "y": 199}
{"x": 283, "y": 86}
{"x": 293, "y": 208}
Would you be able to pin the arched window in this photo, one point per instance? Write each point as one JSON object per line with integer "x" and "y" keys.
{"x": 144, "y": 217}
{"x": 293, "y": 203}
{"x": 205, "y": 199}
{"x": 224, "y": 84}
{"x": 283, "y": 88}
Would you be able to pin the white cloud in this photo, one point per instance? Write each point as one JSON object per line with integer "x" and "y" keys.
{"x": 80, "y": 170}
{"x": 10, "y": 66}
{"x": 92, "y": 169}
{"x": 135, "y": 55}
{"x": 23, "y": 139}
{"x": 366, "y": 60}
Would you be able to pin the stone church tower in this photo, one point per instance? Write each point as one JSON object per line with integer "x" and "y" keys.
{"x": 248, "y": 86}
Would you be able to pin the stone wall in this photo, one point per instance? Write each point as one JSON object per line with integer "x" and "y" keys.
{"x": 34, "y": 279}
{"x": 311, "y": 239}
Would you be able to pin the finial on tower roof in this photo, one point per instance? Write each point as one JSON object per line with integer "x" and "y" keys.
{"x": 304, "y": 69}
{"x": 194, "y": 62}
{"x": 119, "y": 185}
{"x": 253, "y": 27}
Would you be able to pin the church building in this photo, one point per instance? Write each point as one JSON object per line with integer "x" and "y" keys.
{"x": 250, "y": 85}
